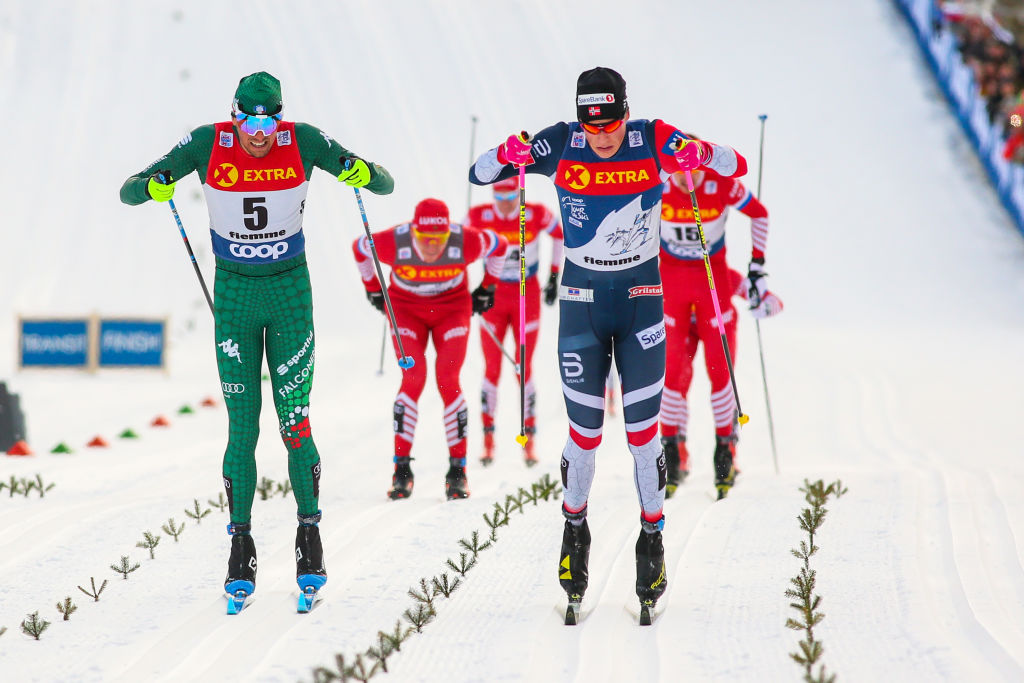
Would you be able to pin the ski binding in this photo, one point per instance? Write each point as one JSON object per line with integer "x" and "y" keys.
{"x": 309, "y": 587}
{"x": 239, "y": 593}
{"x": 572, "y": 613}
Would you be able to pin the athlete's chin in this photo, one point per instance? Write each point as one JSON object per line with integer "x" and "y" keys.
{"x": 604, "y": 152}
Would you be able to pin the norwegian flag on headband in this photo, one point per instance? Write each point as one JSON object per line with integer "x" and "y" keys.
{"x": 594, "y": 111}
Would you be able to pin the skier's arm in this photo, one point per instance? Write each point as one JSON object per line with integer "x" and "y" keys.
{"x": 321, "y": 150}
{"x": 545, "y": 148}
{"x": 491, "y": 247}
{"x": 191, "y": 153}
{"x": 719, "y": 158}
{"x": 747, "y": 204}
{"x": 553, "y": 228}
{"x": 384, "y": 242}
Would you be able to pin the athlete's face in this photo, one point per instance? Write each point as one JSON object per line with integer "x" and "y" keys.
{"x": 605, "y": 144}
{"x": 258, "y": 145}
{"x": 507, "y": 202}
{"x": 680, "y": 178}
{"x": 430, "y": 245}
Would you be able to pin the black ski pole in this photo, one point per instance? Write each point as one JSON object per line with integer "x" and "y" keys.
{"x": 757, "y": 323}
{"x": 188, "y": 247}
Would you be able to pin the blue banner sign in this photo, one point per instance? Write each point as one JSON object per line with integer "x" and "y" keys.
{"x": 55, "y": 343}
{"x": 132, "y": 343}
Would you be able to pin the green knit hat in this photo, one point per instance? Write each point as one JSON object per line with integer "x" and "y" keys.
{"x": 258, "y": 94}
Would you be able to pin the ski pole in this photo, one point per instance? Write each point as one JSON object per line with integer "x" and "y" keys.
{"x": 757, "y": 323}
{"x": 741, "y": 418}
{"x": 383, "y": 344}
{"x": 405, "y": 362}
{"x": 472, "y": 158}
{"x": 522, "y": 438}
{"x": 497, "y": 342}
{"x": 188, "y": 247}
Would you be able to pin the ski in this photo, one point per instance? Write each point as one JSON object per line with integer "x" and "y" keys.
{"x": 572, "y": 613}
{"x": 238, "y": 593}
{"x": 309, "y": 589}
{"x": 646, "y": 614}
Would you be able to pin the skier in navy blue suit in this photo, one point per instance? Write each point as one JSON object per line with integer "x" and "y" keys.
{"x": 608, "y": 172}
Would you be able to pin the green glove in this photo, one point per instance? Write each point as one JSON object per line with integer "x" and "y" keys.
{"x": 357, "y": 174}
{"x": 161, "y": 186}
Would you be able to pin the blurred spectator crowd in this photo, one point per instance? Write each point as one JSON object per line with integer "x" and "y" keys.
{"x": 991, "y": 37}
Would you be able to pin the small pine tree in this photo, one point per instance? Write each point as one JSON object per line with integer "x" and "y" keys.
{"x": 149, "y": 542}
{"x": 66, "y": 607}
{"x": 474, "y": 545}
{"x": 38, "y": 483}
{"x": 171, "y": 530}
{"x": 424, "y": 595}
{"x": 420, "y": 616}
{"x": 34, "y": 626}
{"x": 125, "y": 569}
{"x": 445, "y": 587}
{"x": 265, "y": 488}
{"x": 221, "y": 502}
{"x": 95, "y": 594}
{"x": 284, "y": 488}
{"x": 197, "y": 513}
{"x": 464, "y": 565}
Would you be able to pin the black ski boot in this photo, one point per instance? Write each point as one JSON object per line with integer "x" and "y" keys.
{"x": 455, "y": 480}
{"x": 671, "y": 448}
{"x": 401, "y": 480}
{"x": 310, "y": 573}
{"x": 725, "y": 471}
{"x": 651, "y": 581}
{"x": 241, "y": 574}
{"x": 573, "y": 574}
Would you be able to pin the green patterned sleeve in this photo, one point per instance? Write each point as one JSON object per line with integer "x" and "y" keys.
{"x": 192, "y": 153}
{"x": 321, "y": 150}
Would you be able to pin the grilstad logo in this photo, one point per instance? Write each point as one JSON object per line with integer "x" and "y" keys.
{"x": 225, "y": 175}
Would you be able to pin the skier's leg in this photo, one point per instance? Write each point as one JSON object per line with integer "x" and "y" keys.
{"x": 451, "y": 336}
{"x": 238, "y": 332}
{"x": 414, "y": 340}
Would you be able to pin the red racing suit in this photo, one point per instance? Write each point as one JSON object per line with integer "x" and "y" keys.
{"x": 431, "y": 301}
{"x": 505, "y": 313}
{"x": 688, "y": 303}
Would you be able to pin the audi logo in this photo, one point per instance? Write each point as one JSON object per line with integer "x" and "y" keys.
{"x": 229, "y": 388}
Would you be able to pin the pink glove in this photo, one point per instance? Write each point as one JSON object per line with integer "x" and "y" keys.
{"x": 516, "y": 150}
{"x": 692, "y": 154}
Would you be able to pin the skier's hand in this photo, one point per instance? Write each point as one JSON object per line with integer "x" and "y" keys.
{"x": 770, "y": 305}
{"x": 483, "y": 298}
{"x": 691, "y": 154}
{"x": 551, "y": 288}
{"x": 376, "y": 300}
{"x": 356, "y": 173}
{"x": 160, "y": 187}
{"x": 516, "y": 150}
{"x": 754, "y": 285}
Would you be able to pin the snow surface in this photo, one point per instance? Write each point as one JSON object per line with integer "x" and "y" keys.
{"x": 896, "y": 366}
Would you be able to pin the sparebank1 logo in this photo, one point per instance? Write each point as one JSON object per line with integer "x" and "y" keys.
{"x": 225, "y": 175}
{"x": 231, "y": 349}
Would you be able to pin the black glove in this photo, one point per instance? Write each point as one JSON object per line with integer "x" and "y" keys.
{"x": 376, "y": 300}
{"x": 551, "y": 288}
{"x": 754, "y": 284}
{"x": 483, "y": 298}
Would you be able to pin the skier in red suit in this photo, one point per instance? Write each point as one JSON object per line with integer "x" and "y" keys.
{"x": 431, "y": 299}
{"x": 689, "y": 309}
{"x": 502, "y": 216}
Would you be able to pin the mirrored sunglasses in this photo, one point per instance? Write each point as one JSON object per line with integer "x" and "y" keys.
{"x": 431, "y": 237}
{"x": 602, "y": 128}
{"x": 251, "y": 124}
{"x": 506, "y": 196}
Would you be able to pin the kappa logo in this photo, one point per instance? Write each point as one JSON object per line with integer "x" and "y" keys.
{"x": 229, "y": 347}
{"x": 225, "y": 175}
{"x": 645, "y": 290}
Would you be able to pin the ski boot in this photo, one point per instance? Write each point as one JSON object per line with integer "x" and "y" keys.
{"x": 528, "y": 454}
{"x": 573, "y": 575}
{"x": 488, "y": 457}
{"x": 240, "y": 581}
{"x": 725, "y": 471}
{"x": 675, "y": 462}
{"x": 401, "y": 480}
{"x": 651, "y": 581}
{"x": 455, "y": 480}
{"x": 310, "y": 572}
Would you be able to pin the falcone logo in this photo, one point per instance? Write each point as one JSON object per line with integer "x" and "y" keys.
{"x": 225, "y": 175}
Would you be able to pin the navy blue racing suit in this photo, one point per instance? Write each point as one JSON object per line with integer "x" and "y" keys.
{"x": 610, "y": 294}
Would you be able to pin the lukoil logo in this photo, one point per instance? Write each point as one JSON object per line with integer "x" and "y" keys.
{"x": 272, "y": 251}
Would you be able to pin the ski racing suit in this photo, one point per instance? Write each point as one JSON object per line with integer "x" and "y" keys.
{"x": 505, "y": 313}
{"x": 611, "y": 293}
{"x": 262, "y": 294}
{"x": 688, "y": 294}
{"x": 431, "y": 301}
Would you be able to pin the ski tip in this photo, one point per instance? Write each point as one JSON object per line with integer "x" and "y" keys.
{"x": 645, "y": 615}
{"x": 522, "y": 439}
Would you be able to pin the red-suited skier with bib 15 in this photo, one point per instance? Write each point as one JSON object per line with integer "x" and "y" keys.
{"x": 690, "y": 312}
{"x": 502, "y": 216}
{"x": 428, "y": 290}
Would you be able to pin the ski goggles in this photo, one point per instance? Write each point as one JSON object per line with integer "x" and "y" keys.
{"x": 250, "y": 124}
{"x": 431, "y": 238}
{"x": 506, "y": 196}
{"x": 594, "y": 129}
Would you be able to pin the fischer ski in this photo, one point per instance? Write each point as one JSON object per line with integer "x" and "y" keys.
{"x": 238, "y": 593}
{"x": 309, "y": 590}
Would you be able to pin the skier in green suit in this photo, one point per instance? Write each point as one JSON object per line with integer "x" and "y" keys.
{"x": 255, "y": 171}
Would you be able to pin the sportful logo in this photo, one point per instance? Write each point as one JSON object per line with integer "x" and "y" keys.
{"x": 294, "y": 360}
{"x": 272, "y": 251}
{"x": 645, "y": 290}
